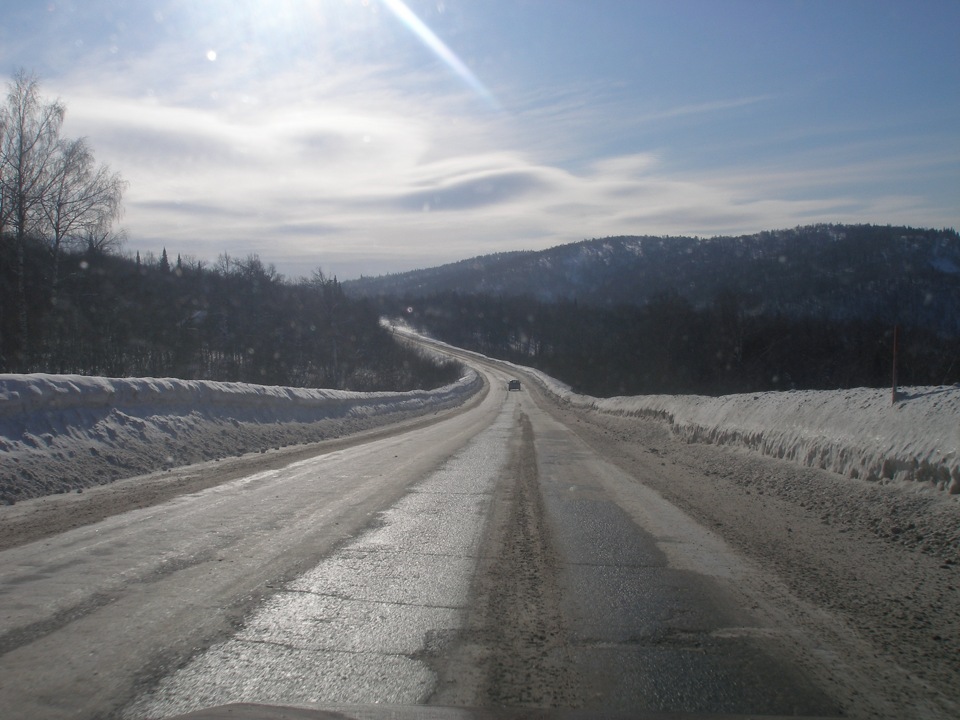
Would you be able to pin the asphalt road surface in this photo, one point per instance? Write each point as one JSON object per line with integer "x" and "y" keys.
{"x": 492, "y": 559}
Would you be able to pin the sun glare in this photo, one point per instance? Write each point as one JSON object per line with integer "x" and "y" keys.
{"x": 439, "y": 48}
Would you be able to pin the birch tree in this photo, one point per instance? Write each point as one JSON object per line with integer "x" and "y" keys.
{"x": 80, "y": 204}
{"x": 28, "y": 149}
{"x": 53, "y": 195}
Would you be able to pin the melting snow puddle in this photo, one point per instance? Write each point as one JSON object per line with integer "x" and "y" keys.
{"x": 350, "y": 630}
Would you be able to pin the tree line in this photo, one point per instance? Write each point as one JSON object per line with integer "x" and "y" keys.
{"x": 235, "y": 320}
{"x": 71, "y": 303}
{"x": 670, "y": 346}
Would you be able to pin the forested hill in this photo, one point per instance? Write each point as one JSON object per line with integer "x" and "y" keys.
{"x": 837, "y": 272}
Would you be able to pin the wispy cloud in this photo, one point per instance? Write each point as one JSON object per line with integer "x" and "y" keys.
{"x": 302, "y": 132}
{"x": 704, "y": 108}
{"x": 332, "y": 182}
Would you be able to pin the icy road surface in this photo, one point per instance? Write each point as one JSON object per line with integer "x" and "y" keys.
{"x": 497, "y": 558}
{"x": 350, "y": 629}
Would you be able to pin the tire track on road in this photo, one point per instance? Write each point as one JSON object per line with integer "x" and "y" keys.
{"x": 514, "y": 651}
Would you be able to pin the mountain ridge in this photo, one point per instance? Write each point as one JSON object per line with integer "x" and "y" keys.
{"x": 898, "y": 274}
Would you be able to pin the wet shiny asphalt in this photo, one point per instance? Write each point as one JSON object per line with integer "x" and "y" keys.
{"x": 349, "y": 630}
{"x": 651, "y": 622}
{"x": 366, "y": 562}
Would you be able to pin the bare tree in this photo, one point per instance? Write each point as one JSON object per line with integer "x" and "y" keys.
{"x": 4, "y": 209}
{"x": 80, "y": 204}
{"x": 28, "y": 149}
{"x": 103, "y": 238}
{"x": 52, "y": 194}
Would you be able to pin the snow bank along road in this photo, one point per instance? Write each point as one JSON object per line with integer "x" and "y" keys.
{"x": 63, "y": 433}
{"x": 519, "y": 553}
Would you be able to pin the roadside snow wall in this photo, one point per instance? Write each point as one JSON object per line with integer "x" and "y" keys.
{"x": 67, "y": 432}
{"x": 858, "y": 433}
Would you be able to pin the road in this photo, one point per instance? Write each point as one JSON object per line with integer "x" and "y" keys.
{"x": 493, "y": 559}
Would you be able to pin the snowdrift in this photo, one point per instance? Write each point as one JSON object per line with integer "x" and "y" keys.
{"x": 62, "y": 433}
{"x": 32, "y": 397}
{"x": 859, "y": 433}
{"x": 68, "y": 432}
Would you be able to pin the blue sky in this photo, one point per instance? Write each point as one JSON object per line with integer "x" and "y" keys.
{"x": 372, "y": 136}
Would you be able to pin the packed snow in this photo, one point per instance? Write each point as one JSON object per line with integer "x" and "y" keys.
{"x": 64, "y": 433}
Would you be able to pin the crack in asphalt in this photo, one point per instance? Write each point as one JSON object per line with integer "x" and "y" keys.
{"x": 398, "y": 557}
{"x": 318, "y": 650}
{"x": 369, "y": 601}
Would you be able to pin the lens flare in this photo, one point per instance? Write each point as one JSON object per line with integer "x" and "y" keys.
{"x": 440, "y": 49}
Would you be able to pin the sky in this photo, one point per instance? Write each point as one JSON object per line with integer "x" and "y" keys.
{"x": 365, "y": 137}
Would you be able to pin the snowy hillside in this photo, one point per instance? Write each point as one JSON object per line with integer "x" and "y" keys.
{"x": 825, "y": 272}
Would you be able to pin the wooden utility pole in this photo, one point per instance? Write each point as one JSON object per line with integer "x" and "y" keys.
{"x": 893, "y": 396}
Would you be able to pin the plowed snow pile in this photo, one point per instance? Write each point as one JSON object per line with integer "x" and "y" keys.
{"x": 859, "y": 433}
{"x": 62, "y": 433}
{"x": 67, "y": 432}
